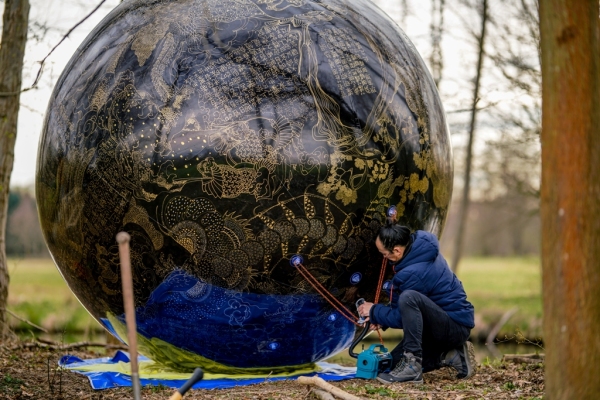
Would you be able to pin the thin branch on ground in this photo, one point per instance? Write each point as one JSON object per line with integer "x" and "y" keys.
{"x": 24, "y": 320}
{"x": 494, "y": 332}
{"x": 71, "y": 346}
{"x": 524, "y": 358}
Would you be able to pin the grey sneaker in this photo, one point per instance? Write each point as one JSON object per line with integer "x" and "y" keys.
{"x": 407, "y": 370}
{"x": 462, "y": 359}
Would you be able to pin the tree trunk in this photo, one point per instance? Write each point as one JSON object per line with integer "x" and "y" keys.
{"x": 570, "y": 206}
{"x": 436, "y": 29}
{"x": 12, "y": 50}
{"x": 465, "y": 200}
{"x": 405, "y": 13}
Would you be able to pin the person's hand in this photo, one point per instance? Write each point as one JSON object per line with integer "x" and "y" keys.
{"x": 364, "y": 309}
{"x": 374, "y": 327}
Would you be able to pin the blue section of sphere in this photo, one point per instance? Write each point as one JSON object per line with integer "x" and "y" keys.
{"x": 242, "y": 329}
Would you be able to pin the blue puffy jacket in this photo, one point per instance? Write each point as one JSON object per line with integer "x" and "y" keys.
{"x": 423, "y": 269}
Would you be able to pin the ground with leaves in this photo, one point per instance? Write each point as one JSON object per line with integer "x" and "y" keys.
{"x": 31, "y": 373}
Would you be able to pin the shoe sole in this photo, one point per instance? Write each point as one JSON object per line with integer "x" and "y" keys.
{"x": 390, "y": 382}
{"x": 469, "y": 351}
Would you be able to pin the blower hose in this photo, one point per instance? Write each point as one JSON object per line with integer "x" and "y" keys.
{"x": 358, "y": 339}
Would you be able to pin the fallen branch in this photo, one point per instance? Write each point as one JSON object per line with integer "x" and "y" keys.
{"x": 71, "y": 346}
{"x": 26, "y": 321}
{"x": 524, "y": 358}
{"x": 319, "y": 382}
{"x": 322, "y": 395}
{"x": 494, "y": 332}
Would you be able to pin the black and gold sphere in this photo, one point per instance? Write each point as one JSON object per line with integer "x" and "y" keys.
{"x": 227, "y": 136}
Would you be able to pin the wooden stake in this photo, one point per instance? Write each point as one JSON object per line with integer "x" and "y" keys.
{"x": 127, "y": 281}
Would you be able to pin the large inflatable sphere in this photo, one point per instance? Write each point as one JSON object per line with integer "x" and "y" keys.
{"x": 226, "y": 137}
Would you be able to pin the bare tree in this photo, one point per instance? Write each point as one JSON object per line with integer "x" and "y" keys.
{"x": 510, "y": 164}
{"x": 570, "y": 197}
{"x": 12, "y": 50}
{"x": 464, "y": 203}
{"x": 405, "y": 12}
{"x": 436, "y": 29}
{"x": 513, "y": 158}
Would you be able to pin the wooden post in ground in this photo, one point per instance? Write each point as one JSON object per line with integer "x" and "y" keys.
{"x": 127, "y": 283}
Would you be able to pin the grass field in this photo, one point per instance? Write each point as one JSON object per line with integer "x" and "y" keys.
{"x": 496, "y": 285}
{"x": 39, "y": 294}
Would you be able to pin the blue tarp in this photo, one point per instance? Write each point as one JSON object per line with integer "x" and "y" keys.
{"x": 108, "y": 372}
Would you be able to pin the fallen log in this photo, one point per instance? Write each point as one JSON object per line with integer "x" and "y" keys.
{"x": 58, "y": 346}
{"x": 524, "y": 358}
{"x": 322, "y": 395}
{"x": 319, "y": 382}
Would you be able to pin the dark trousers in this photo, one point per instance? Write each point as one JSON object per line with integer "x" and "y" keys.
{"x": 428, "y": 330}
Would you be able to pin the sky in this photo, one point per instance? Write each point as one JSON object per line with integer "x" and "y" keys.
{"x": 56, "y": 17}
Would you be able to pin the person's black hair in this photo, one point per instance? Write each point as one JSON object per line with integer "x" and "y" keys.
{"x": 392, "y": 235}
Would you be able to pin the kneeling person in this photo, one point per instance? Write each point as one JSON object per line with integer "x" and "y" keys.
{"x": 428, "y": 302}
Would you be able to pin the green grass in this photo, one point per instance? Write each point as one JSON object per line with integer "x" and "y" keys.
{"x": 496, "y": 285}
{"x": 503, "y": 283}
{"x": 36, "y": 279}
{"x": 10, "y": 386}
{"x": 39, "y": 294}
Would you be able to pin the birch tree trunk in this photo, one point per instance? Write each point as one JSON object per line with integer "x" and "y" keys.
{"x": 570, "y": 195}
{"x": 465, "y": 200}
{"x": 12, "y": 50}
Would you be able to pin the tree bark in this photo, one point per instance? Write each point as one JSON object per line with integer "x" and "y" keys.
{"x": 465, "y": 200}
{"x": 12, "y": 51}
{"x": 570, "y": 206}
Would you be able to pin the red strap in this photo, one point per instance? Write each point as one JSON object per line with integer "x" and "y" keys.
{"x": 335, "y": 303}
{"x": 380, "y": 283}
{"x": 378, "y": 293}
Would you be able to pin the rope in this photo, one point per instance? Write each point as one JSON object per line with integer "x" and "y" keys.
{"x": 334, "y": 302}
{"x": 343, "y": 310}
{"x": 380, "y": 282}
{"x": 378, "y": 292}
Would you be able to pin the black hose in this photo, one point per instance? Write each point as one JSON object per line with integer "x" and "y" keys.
{"x": 358, "y": 339}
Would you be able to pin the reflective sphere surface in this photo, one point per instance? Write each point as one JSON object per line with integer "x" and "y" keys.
{"x": 226, "y": 137}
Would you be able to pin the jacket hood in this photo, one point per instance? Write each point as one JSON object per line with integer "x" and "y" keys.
{"x": 425, "y": 248}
